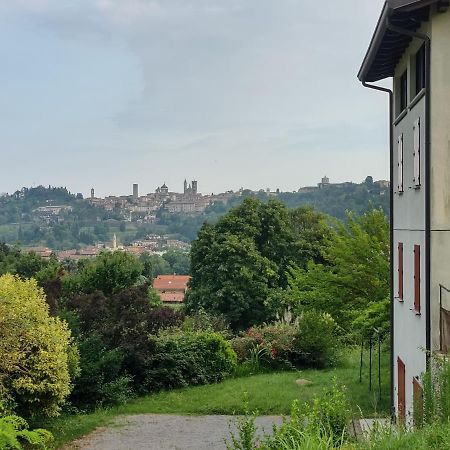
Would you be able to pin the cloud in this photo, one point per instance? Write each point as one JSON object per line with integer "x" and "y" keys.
{"x": 200, "y": 77}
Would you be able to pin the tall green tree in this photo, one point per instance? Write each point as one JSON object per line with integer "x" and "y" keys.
{"x": 237, "y": 263}
{"x": 354, "y": 274}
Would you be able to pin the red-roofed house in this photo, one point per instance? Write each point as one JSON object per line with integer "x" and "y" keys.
{"x": 171, "y": 288}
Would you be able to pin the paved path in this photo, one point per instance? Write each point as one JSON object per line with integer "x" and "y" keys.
{"x": 166, "y": 432}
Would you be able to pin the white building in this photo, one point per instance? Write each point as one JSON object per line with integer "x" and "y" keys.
{"x": 411, "y": 45}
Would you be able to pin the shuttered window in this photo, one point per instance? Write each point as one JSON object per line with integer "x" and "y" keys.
{"x": 417, "y": 403}
{"x": 416, "y": 130}
{"x": 417, "y": 279}
{"x": 400, "y": 271}
{"x": 401, "y": 391}
{"x": 400, "y": 163}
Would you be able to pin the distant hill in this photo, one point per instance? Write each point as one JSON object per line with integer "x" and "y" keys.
{"x": 54, "y": 217}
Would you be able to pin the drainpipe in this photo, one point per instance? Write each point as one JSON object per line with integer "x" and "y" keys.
{"x": 427, "y": 40}
{"x": 391, "y": 231}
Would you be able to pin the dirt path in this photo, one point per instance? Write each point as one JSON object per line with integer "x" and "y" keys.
{"x": 165, "y": 432}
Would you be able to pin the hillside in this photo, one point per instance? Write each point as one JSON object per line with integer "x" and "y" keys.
{"x": 54, "y": 217}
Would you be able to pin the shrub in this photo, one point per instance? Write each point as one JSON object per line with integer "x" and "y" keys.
{"x": 188, "y": 358}
{"x": 309, "y": 341}
{"x": 102, "y": 381}
{"x": 14, "y": 434}
{"x": 36, "y": 350}
{"x": 316, "y": 344}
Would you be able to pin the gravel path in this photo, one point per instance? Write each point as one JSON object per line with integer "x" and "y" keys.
{"x": 165, "y": 432}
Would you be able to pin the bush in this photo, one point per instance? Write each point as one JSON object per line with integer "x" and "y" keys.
{"x": 37, "y": 357}
{"x": 14, "y": 434}
{"x": 188, "y": 358}
{"x": 298, "y": 343}
{"x": 102, "y": 382}
{"x": 316, "y": 344}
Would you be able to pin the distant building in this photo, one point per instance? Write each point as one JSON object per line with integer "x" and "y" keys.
{"x": 171, "y": 288}
{"x": 135, "y": 191}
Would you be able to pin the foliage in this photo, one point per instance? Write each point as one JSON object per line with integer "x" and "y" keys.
{"x": 102, "y": 382}
{"x": 113, "y": 340}
{"x": 36, "y": 353}
{"x": 110, "y": 272}
{"x": 290, "y": 344}
{"x": 14, "y": 434}
{"x": 238, "y": 263}
{"x": 246, "y": 428}
{"x": 353, "y": 277}
{"x": 182, "y": 359}
{"x": 436, "y": 393}
{"x": 317, "y": 342}
{"x": 317, "y": 425}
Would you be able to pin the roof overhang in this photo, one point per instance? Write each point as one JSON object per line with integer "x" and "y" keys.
{"x": 387, "y": 46}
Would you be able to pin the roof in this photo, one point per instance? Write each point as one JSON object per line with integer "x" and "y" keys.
{"x": 172, "y": 297}
{"x": 387, "y": 46}
{"x": 171, "y": 282}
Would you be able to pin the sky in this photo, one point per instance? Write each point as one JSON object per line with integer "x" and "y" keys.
{"x": 232, "y": 93}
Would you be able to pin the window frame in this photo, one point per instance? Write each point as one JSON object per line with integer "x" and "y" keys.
{"x": 420, "y": 72}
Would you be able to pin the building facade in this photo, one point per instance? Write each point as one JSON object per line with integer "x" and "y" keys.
{"x": 411, "y": 45}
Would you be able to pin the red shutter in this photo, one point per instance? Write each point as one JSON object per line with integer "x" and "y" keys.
{"x": 401, "y": 397}
{"x": 417, "y": 278}
{"x": 400, "y": 270}
{"x": 418, "y": 403}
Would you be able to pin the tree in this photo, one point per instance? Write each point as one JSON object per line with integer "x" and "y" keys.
{"x": 109, "y": 273}
{"x": 232, "y": 282}
{"x": 231, "y": 278}
{"x": 179, "y": 261}
{"x": 37, "y": 357}
{"x": 354, "y": 275}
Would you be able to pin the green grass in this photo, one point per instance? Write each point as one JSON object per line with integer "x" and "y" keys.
{"x": 270, "y": 393}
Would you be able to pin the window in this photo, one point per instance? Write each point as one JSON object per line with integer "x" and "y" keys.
{"x": 420, "y": 69}
{"x": 416, "y": 153}
{"x": 400, "y": 163}
{"x": 403, "y": 86}
{"x": 417, "y": 279}
{"x": 400, "y": 271}
{"x": 401, "y": 391}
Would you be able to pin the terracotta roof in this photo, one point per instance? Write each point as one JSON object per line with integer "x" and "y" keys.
{"x": 171, "y": 282}
{"x": 172, "y": 297}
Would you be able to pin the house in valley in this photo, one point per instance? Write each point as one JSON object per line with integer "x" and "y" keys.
{"x": 411, "y": 46}
{"x": 171, "y": 288}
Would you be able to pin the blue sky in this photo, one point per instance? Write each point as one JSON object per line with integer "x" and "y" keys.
{"x": 252, "y": 93}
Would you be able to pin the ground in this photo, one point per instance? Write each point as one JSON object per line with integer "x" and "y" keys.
{"x": 166, "y": 432}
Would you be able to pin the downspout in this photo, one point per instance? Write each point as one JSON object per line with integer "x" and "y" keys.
{"x": 427, "y": 41}
{"x": 391, "y": 232}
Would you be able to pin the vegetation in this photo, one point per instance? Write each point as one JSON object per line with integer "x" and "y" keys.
{"x": 275, "y": 297}
{"x": 85, "y": 224}
{"x": 14, "y": 434}
{"x": 268, "y": 393}
{"x": 238, "y": 264}
{"x": 37, "y": 359}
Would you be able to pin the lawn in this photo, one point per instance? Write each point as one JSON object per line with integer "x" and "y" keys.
{"x": 270, "y": 393}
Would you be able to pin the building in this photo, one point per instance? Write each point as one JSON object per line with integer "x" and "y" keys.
{"x": 411, "y": 45}
{"x": 171, "y": 288}
{"x": 135, "y": 191}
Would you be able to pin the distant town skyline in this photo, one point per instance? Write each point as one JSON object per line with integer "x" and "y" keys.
{"x": 179, "y": 187}
{"x": 252, "y": 93}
